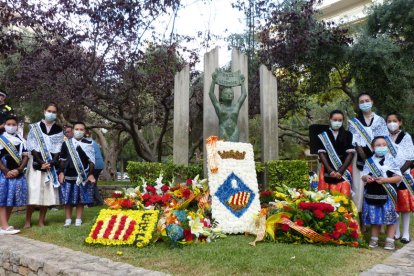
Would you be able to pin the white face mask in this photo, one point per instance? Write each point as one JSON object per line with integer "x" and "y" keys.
{"x": 365, "y": 106}
{"x": 78, "y": 134}
{"x": 393, "y": 126}
{"x": 49, "y": 116}
{"x": 10, "y": 129}
{"x": 335, "y": 125}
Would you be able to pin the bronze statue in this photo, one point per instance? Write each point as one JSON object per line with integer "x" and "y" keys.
{"x": 227, "y": 112}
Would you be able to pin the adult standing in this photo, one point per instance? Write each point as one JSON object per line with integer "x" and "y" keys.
{"x": 364, "y": 128}
{"x": 44, "y": 142}
{"x": 99, "y": 166}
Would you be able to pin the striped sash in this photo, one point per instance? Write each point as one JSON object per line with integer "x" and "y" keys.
{"x": 11, "y": 149}
{"x": 361, "y": 130}
{"x": 51, "y": 173}
{"x": 407, "y": 178}
{"x": 392, "y": 193}
{"x": 333, "y": 156}
{"x": 82, "y": 177}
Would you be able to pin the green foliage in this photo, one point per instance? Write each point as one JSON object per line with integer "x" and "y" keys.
{"x": 292, "y": 173}
{"x": 151, "y": 170}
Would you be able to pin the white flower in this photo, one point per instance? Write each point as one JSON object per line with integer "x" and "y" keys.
{"x": 144, "y": 185}
{"x": 130, "y": 192}
{"x": 159, "y": 184}
{"x": 196, "y": 227}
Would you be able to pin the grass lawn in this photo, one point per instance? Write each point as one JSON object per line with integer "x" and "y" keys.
{"x": 232, "y": 255}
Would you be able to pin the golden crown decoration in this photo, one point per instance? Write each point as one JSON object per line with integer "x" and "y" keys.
{"x": 232, "y": 154}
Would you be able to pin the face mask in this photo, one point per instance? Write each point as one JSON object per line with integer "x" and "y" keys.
{"x": 336, "y": 125}
{"x": 365, "y": 106}
{"x": 78, "y": 134}
{"x": 393, "y": 126}
{"x": 10, "y": 129}
{"x": 381, "y": 151}
{"x": 49, "y": 116}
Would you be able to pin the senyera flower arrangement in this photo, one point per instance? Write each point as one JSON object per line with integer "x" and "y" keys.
{"x": 185, "y": 214}
{"x": 301, "y": 216}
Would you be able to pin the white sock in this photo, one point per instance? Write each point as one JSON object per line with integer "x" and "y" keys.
{"x": 406, "y": 225}
{"x": 374, "y": 238}
{"x": 78, "y": 222}
{"x": 389, "y": 240}
{"x": 397, "y": 228}
{"x": 68, "y": 221}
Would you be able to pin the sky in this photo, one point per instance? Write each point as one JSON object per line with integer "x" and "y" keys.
{"x": 218, "y": 16}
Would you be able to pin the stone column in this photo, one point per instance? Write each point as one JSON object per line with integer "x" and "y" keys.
{"x": 269, "y": 115}
{"x": 181, "y": 116}
{"x": 210, "y": 120}
{"x": 239, "y": 61}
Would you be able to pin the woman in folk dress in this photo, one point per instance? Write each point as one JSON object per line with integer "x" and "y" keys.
{"x": 43, "y": 184}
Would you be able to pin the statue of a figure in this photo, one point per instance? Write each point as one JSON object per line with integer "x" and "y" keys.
{"x": 226, "y": 111}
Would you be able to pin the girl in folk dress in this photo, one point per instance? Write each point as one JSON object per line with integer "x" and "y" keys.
{"x": 336, "y": 144}
{"x": 44, "y": 142}
{"x": 364, "y": 128}
{"x": 13, "y": 186}
{"x": 404, "y": 154}
{"x": 77, "y": 161}
{"x": 381, "y": 173}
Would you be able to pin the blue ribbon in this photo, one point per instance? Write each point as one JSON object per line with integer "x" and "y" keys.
{"x": 82, "y": 177}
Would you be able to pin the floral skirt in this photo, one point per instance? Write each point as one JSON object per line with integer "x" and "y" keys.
{"x": 405, "y": 201}
{"x": 379, "y": 214}
{"x": 13, "y": 192}
{"x": 73, "y": 194}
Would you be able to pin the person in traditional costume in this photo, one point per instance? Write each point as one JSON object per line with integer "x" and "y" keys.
{"x": 364, "y": 128}
{"x": 380, "y": 174}
{"x": 44, "y": 142}
{"x": 401, "y": 147}
{"x": 336, "y": 152}
{"x": 13, "y": 162}
{"x": 76, "y": 176}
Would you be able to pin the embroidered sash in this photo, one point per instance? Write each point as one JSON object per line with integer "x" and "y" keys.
{"x": 51, "y": 173}
{"x": 11, "y": 149}
{"x": 392, "y": 193}
{"x": 407, "y": 178}
{"x": 82, "y": 177}
{"x": 333, "y": 156}
{"x": 361, "y": 131}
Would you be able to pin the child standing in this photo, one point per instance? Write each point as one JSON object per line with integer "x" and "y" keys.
{"x": 77, "y": 161}
{"x": 380, "y": 174}
{"x": 13, "y": 186}
{"x": 402, "y": 148}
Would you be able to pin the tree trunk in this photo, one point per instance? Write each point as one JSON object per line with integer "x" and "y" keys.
{"x": 111, "y": 152}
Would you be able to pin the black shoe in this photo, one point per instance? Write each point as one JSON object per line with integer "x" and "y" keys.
{"x": 396, "y": 238}
{"x": 404, "y": 241}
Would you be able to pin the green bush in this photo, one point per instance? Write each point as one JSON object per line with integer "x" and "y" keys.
{"x": 292, "y": 173}
{"x": 151, "y": 170}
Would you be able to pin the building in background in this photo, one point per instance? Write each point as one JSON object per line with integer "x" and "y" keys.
{"x": 345, "y": 11}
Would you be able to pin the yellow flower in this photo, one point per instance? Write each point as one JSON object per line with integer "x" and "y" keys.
{"x": 178, "y": 193}
{"x": 279, "y": 205}
{"x": 342, "y": 209}
{"x": 335, "y": 214}
{"x": 119, "y": 253}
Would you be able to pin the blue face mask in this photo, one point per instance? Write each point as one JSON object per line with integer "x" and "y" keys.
{"x": 381, "y": 151}
{"x": 49, "y": 116}
{"x": 365, "y": 106}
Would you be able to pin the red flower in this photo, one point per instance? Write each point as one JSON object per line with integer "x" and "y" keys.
{"x": 127, "y": 204}
{"x": 318, "y": 214}
{"x": 299, "y": 222}
{"x": 146, "y": 197}
{"x": 354, "y": 234}
{"x": 117, "y": 195}
{"x": 326, "y": 235}
{"x": 285, "y": 227}
{"x": 188, "y": 236}
{"x": 266, "y": 193}
{"x": 165, "y": 198}
{"x": 324, "y": 207}
{"x": 186, "y": 193}
{"x": 341, "y": 227}
{"x": 147, "y": 203}
{"x": 155, "y": 199}
{"x": 336, "y": 234}
{"x": 165, "y": 188}
{"x": 150, "y": 189}
{"x": 189, "y": 182}
{"x": 353, "y": 225}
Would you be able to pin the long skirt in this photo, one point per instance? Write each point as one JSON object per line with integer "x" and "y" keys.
{"x": 343, "y": 186}
{"x": 13, "y": 191}
{"x": 357, "y": 185}
{"x": 73, "y": 194}
{"x": 379, "y": 214}
{"x": 40, "y": 193}
{"x": 405, "y": 201}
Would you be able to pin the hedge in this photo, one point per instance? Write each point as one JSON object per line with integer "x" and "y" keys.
{"x": 151, "y": 170}
{"x": 292, "y": 173}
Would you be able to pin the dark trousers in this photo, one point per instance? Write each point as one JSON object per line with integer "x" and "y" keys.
{"x": 97, "y": 197}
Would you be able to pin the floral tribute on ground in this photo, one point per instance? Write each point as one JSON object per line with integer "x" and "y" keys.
{"x": 301, "y": 216}
{"x": 177, "y": 213}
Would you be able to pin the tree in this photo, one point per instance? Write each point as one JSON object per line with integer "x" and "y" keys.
{"x": 102, "y": 55}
